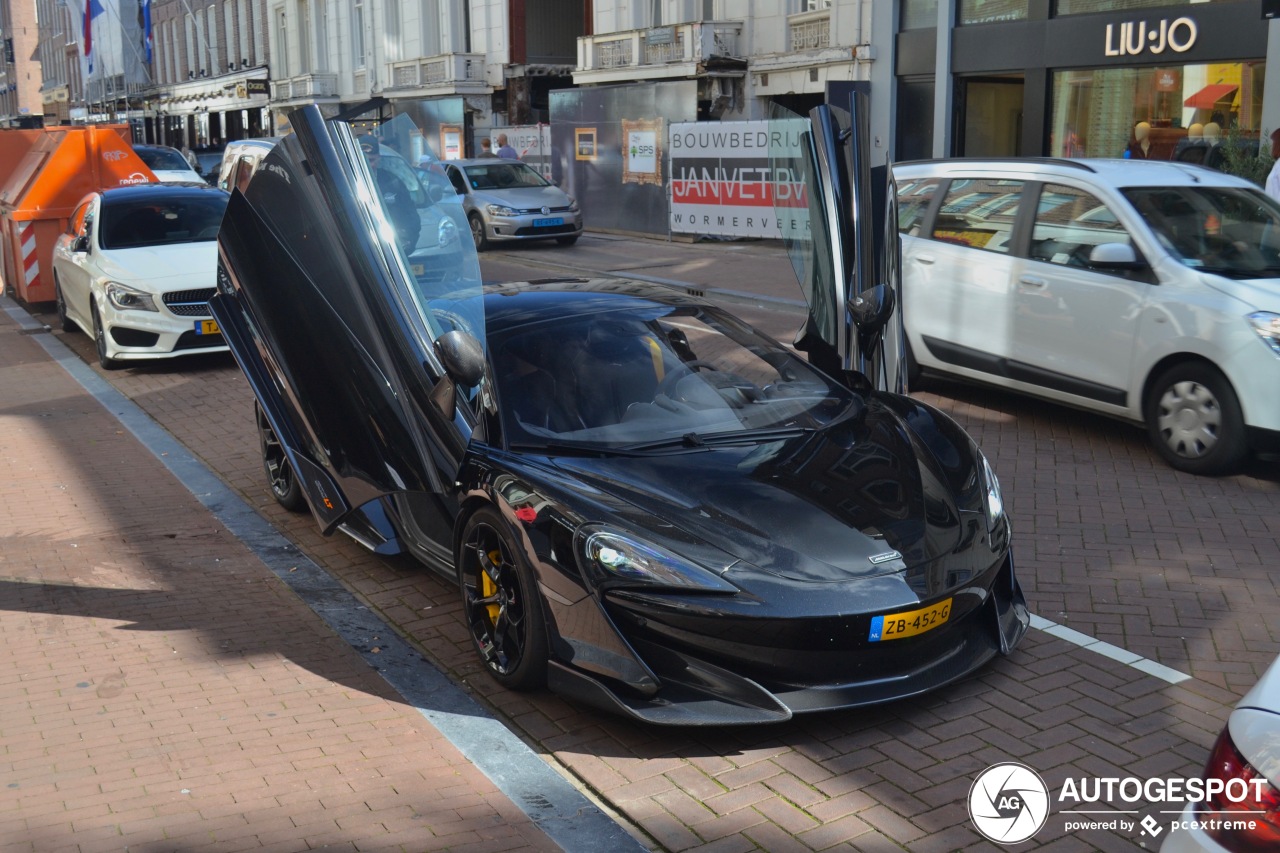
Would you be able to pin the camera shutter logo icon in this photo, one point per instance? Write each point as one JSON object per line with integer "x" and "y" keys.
{"x": 1008, "y": 803}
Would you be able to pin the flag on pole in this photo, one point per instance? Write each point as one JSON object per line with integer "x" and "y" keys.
{"x": 146, "y": 28}
{"x": 92, "y": 9}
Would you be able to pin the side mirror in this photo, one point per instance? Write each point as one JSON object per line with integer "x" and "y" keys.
{"x": 1114, "y": 256}
{"x": 872, "y": 308}
{"x": 462, "y": 356}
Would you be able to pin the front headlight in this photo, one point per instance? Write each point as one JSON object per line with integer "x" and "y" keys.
{"x": 573, "y": 204}
{"x": 446, "y": 233}
{"x": 500, "y": 210}
{"x": 992, "y": 501}
{"x": 125, "y": 298}
{"x": 1267, "y": 325}
{"x": 612, "y": 556}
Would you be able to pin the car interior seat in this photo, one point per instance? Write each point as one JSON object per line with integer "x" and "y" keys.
{"x": 536, "y": 387}
{"x": 617, "y": 366}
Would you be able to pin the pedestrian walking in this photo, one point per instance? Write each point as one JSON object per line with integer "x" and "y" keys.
{"x": 505, "y": 150}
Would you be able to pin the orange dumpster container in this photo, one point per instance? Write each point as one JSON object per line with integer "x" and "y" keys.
{"x": 44, "y": 173}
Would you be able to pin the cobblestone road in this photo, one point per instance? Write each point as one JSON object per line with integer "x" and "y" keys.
{"x": 1109, "y": 541}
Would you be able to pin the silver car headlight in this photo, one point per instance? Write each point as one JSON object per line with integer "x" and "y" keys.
{"x": 1267, "y": 325}
{"x": 992, "y": 499}
{"x": 500, "y": 210}
{"x": 446, "y": 233}
{"x": 613, "y": 556}
{"x": 573, "y": 204}
{"x": 125, "y": 298}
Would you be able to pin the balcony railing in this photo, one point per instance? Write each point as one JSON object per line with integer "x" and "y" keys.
{"x": 810, "y": 31}
{"x": 447, "y": 70}
{"x": 305, "y": 87}
{"x": 655, "y": 47}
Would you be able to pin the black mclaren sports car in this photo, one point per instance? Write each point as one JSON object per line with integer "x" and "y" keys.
{"x": 646, "y": 504}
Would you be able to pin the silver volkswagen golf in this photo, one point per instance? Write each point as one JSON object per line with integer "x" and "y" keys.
{"x": 509, "y": 200}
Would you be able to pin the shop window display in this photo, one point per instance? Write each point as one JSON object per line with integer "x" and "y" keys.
{"x": 1085, "y": 7}
{"x": 991, "y": 11}
{"x": 1155, "y": 113}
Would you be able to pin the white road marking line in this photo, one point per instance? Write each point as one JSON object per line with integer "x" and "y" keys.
{"x": 1124, "y": 656}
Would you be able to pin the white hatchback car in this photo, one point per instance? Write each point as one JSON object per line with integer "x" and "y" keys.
{"x": 1144, "y": 290}
{"x": 136, "y": 268}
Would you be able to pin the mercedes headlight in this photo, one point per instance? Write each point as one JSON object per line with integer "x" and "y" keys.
{"x": 612, "y": 556}
{"x": 125, "y": 298}
{"x": 1267, "y": 325}
{"x": 446, "y": 232}
{"x": 500, "y": 210}
{"x": 992, "y": 501}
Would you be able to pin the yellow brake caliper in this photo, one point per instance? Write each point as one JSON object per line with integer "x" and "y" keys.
{"x": 488, "y": 588}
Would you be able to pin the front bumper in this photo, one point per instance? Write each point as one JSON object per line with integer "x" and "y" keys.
{"x": 525, "y": 227}
{"x": 133, "y": 335}
{"x": 719, "y": 677}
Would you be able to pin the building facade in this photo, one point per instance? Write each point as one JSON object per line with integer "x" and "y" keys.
{"x": 21, "y": 102}
{"x": 1077, "y": 78}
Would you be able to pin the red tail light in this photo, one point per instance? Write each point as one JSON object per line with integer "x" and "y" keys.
{"x": 1263, "y": 810}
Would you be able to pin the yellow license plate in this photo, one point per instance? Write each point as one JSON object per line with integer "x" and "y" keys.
{"x": 896, "y": 626}
{"x": 207, "y": 327}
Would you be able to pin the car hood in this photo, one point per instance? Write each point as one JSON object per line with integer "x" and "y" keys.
{"x": 1261, "y": 294}
{"x": 154, "y": 267}
{"x": 524, "y": 197}
{"x": 826, "y": 507}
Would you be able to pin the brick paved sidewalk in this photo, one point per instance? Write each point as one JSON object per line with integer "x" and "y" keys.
{"x": 161, "y": 689}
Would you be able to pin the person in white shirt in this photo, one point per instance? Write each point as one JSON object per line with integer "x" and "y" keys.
{"x": 1272, "y": 186}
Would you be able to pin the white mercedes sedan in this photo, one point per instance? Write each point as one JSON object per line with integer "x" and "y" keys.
{"x": 136, "y": 267}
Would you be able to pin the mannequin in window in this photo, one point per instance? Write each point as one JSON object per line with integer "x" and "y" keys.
{"x": 1139, "y": 147}
{"x": 1213, "y": 142}
{"x": 1193, "y": 139}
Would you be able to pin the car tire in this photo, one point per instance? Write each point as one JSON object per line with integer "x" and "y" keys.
{"x": 100, "y": 340}
{"x": 280, "y": 476}
{"x": 501, "y": 603}
{"x": 1194, "y": 419}
{"x": 477, "y": 232}
{"x": 568, "y": 241}
{"x": 64, "y": 321}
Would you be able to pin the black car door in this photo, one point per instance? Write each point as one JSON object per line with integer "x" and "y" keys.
{"x": 351, "y": 355}
{"x": 842, "y": 241}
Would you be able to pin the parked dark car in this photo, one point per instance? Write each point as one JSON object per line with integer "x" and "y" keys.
{"x": 646, "y": 504}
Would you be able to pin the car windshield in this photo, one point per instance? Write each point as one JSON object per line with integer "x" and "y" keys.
{"x": 164, "y": 159}
{"x": 503, "y": 176}
{"x": 157, "y": 221}
{"x": 638, "y": 379}
{"x": 1230, "y": 231}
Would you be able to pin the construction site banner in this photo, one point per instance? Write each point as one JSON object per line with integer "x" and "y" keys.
{"x": 737, "y": 179}
{"x": 532, "y": 143}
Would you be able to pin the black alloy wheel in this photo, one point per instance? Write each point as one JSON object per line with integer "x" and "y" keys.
{"x": 100, "y": 340}
{"x": 64, "y": 322}
{"x": 280, "y": 477}
{"x": 1194, "y": 419}
{"x": 499, "y": 599}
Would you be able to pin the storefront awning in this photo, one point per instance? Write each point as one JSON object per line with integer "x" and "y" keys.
{"x": 1209, "y": 96}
